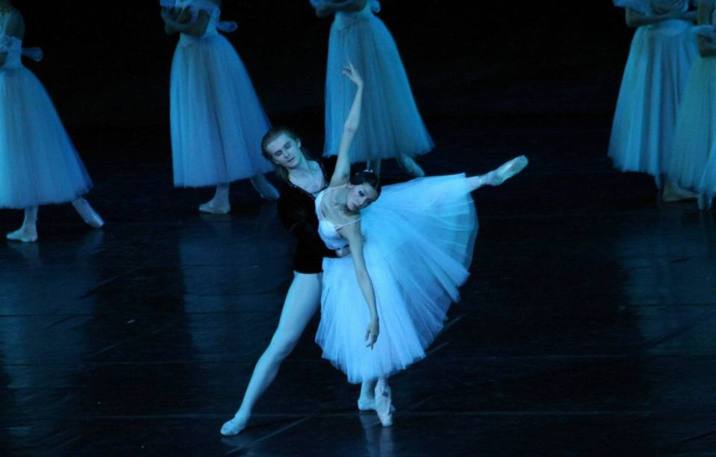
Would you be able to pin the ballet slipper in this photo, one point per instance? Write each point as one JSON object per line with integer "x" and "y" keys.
{"x": 383, "y": 403}
{"x": 233, "y": 427}
{"x": 25, "y": 234}
{"x": 506, "y": 171}
{"x": 87, "y": 213}
{"x": 212, "y": 207}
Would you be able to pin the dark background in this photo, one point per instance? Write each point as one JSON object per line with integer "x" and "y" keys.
{"x": 107, "y": 63}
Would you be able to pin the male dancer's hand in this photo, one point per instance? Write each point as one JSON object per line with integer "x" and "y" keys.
{"x": 343, "y": 252}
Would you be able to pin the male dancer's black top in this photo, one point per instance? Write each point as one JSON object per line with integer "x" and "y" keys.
{"x": 297, "y": 211}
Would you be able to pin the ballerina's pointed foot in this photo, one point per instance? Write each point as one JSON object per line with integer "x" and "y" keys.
{"x": 366, "y": 404}
{"x": 212, "y": 207}
{"x": 506, "y": 171}
{"x": 23, "y": 234}
{"x": 704, "y": 202}
{"x": 87, "y": 213}
{"x": 265, "y": 189}
{"x": 383, "y": 403}
{"x": 233, "y": 427}
{"x": 674, "y": 193}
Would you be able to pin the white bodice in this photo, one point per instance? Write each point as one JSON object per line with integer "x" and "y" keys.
{"x": 9, "y": 44}
{"x": 343, "y": 19}
{"x": 195, "y": 7}
{"x": 326, "y": 229}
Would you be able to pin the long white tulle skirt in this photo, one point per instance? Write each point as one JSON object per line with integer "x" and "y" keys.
{"x": 419, "y": 239}
{"x": 217, "y": 121}
{"x": 696, "y": 126}
{"x": 38, "y": 163}
{"x": 653, "y": 85}
{"x": 390, "y": 122}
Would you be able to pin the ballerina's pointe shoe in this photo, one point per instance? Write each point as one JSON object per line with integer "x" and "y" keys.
{"x": 506, "y": 171}
{"x": 23, "y": 234}
{"x": 383, "y": 403}
{"x": 366, "y": 404}
{"x": 704, "y": 202}
{"x": 233, "y": 427}
{"x": 212, "y": 207}
{"x": 674, "y": 193}
{"x": 87, "y": 213}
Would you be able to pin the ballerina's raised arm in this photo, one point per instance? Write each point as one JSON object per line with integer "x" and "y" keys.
{"x": 342, "y": 172}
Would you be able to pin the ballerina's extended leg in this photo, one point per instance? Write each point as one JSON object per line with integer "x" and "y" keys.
{"x": 265, "y": 189}
{"x": 302, "y": 301}
{"x": 410, "y": 166}
{"x": 27, "y": 233}
{"x": 500, "y": 174}
{"x": 87, "y": 213}
{"x": 220, "y": 203}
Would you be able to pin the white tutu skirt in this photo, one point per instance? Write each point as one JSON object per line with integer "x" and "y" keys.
{"x": 696, "y": 126}
{"x": 390, "y": 122}
{"x": 38, "y": 163}
{"x": 654, "y": 80}
{"x": 419, "y": 238}
{"x": 217, "y": 121}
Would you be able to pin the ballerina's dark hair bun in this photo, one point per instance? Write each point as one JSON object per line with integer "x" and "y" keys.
{"x": 366, "y": 177}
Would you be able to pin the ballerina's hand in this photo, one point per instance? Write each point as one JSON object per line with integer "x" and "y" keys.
{"x": 371, "y": 333}
{"x": 343, "y": 252}
{"x": 351, "y": 73}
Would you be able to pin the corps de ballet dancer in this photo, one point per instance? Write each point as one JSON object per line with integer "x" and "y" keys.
{"x": 392, "y": 126}
{"x": 661, "y": 55}
{"x": 706, "y": 36}
{"x": 217, "y": 121}
{"x": 39, "y": 164}
{"x": 410, "y": 250}
{"x": 696, "y": 123}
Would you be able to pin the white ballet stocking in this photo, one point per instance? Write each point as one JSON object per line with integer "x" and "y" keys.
{"x": 366, "y": 401}
{"x": 27, "y": 233}
{"x": 301, "y": 303}
{"x": 87, "y": 213}
{"x": 220, "y": 203}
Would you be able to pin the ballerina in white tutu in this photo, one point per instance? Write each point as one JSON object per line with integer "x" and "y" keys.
{"x": 410, "y": 250}
{"x": 696, "y": 125}
{"x": 655, "y": 76}
{"x": 301, "y": 178}
{"x": 707, "y": 48}
{"x": 38, "y": 162}
{"x": 392, "y": 125}
{"x": 217, "y": 121}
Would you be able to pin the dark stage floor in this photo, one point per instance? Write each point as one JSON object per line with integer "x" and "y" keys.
{"x": 587, "y": 327}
